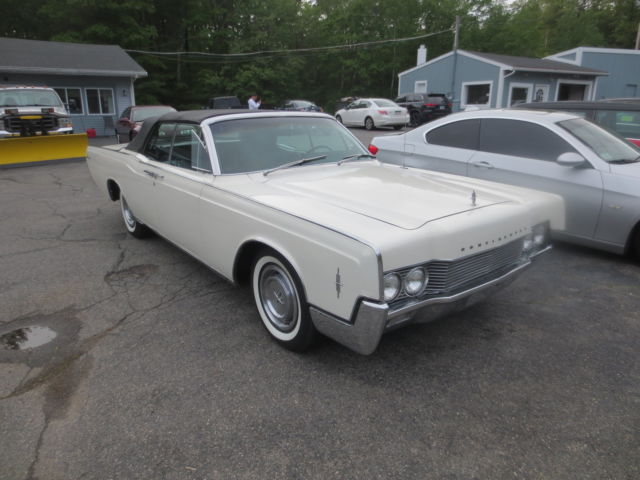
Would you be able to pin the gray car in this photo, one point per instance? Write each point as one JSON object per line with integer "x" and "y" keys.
{"x": 596, "y": 171}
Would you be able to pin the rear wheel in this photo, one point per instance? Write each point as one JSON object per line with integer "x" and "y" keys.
{"x": 134, "y": 227}
{"x": 368, "y": 123}
{"x": 281, "y": 302}
{"x": 635, "y": 244}
{"x": 414, "y": 119}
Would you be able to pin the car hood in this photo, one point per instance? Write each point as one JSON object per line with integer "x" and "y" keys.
{"x": 405, "y": 198}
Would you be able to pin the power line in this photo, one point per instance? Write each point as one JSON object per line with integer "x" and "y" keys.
{"x": 278, "y": 52}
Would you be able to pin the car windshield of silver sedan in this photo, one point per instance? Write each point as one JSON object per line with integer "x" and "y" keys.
{"x": 259, "y": 144}
{"x": 607, "y": 145}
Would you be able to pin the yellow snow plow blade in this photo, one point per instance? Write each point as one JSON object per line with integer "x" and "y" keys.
{"x": 22, "y": 150}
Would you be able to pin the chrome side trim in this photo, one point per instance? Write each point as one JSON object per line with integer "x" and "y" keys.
{"x": 361, "y": 336}
{"x": 461, "y": 295}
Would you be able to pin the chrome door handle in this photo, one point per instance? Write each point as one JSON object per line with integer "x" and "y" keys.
{"x": 482, "y": 164}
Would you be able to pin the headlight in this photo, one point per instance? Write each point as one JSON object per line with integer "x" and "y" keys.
{"x": 391, "y": 286}
{"x": 539, "y": 235}
{"x": 415, "y": 281}
{"x": 527, "y": 243}
{"x": 64, "y": 122}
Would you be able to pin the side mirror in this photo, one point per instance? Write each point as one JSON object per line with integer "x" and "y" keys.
{"x": 570, "y": 159}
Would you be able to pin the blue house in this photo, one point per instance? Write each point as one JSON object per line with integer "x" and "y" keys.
{"x": 487, "y": 80}
{"x": 94, "y": 81}
{"x": 623, "y": 67}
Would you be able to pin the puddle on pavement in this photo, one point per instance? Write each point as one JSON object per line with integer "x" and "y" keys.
{"x": 26, "y": 337}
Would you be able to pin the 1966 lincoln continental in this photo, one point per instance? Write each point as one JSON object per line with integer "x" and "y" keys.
{"x": 330, "y": 239}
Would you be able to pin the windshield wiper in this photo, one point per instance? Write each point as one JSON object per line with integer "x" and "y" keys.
{"x": 293, "y": 164}
{"x": 625, "y": 160}
{"x": 355, "y": 156}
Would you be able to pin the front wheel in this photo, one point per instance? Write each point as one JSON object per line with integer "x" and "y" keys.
{"x": 281, "y": 302}
{"x": 397, "y": 127}
{"x": 368, "y": 123}
{"x": 339, "y": 118}
{"x": 134, "y": 227}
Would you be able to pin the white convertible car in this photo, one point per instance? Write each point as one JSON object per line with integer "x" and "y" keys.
{"x": 330, "y": 239}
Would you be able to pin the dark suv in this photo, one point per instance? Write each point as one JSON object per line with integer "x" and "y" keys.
{"x": 424, "y": 107}
{"x": 621, "y": 116}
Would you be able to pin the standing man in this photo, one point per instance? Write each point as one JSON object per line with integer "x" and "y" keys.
{"x": 254, "y": 102}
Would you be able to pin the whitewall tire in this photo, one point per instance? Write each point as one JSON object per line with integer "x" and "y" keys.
{"x": 134, "y": 227}
{"x": 281, "y": 303}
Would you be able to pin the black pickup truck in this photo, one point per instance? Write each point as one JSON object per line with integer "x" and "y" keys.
{"x": 424, "y": 107}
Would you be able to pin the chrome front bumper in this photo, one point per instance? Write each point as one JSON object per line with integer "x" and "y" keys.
{"x": 372, "y": 319}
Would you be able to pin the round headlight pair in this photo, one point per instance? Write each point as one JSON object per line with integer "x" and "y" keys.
{"x": 413, "y": 283}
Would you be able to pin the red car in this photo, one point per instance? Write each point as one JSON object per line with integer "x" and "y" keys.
{"x": 131, "y": 119}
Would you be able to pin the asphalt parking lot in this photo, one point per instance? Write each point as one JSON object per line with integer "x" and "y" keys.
{"x": 152, "y": 367}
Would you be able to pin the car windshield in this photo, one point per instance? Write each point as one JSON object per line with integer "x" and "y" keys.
{"x": 385, "y": 103}
{"x": 608, "y": 146}
{"x": 29, "y": 97}
{"x": 302, "y": 104}
{"x": 257, "y": 144}
{"x": 140, "y": 114}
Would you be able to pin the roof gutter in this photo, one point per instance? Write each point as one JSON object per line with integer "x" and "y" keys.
{"x": 501, "y": 85}
{"x": 73, "y": 71}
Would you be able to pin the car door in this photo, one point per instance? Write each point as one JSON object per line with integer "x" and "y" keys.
{"x": 178, "y": 188}
{"x": 364, "y": 110}
{"x": 524, "y": 153}
{"x": 446, "y": 148}
{"x": 348, "y": 114}
{"x": 139, "y": 185}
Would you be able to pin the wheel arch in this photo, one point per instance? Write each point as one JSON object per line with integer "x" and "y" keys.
{"x": 113, "y": 189}
{"x": 634, "y": 237}
{"x": 247, "y": 253}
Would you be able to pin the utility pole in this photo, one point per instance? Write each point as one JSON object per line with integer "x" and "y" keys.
{"x": 638, "y": 38}
{"x": 456, "y": 38}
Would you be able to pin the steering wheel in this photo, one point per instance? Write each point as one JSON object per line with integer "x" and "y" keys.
{"x": 318, "y": 148}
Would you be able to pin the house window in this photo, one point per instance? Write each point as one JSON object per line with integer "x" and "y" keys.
{"x": 476, "y": 94}
{"x": 72, "y": 98}
{"x": 100, "y": 101}
{"x": 520, "y": 93}
{"x": 573, "y": 90}
{"x": 420, "y": 86}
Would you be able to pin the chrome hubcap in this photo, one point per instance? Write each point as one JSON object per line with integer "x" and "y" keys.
{"x": 278, "y": 297}
{"x": 129, "y": 219}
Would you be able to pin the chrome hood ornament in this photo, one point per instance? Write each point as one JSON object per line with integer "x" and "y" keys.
{"x": 473, "y": 198}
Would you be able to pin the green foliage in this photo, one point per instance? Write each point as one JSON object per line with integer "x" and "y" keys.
{"x": 524, "y": 27}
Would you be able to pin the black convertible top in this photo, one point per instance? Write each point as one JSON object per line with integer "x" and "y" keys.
{"x": 187, "y": 116}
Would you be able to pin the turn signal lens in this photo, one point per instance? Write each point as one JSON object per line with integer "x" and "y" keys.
{"x": 373, "y": 149}
{"x": 391, "y": 286}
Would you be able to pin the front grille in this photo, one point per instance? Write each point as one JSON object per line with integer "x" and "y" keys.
{"x": 15, "y": 124}
{"x": 449, "y": 276}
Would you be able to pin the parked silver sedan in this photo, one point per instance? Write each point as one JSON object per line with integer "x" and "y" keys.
{"x": 596, "y": 172}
